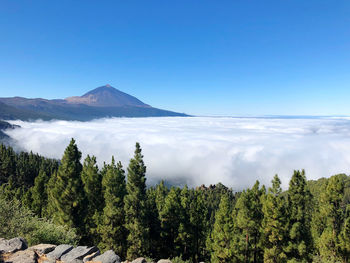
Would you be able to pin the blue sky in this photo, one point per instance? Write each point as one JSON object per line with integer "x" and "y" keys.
{"x": 199, "y": 57}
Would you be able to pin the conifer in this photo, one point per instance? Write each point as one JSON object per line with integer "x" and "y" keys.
{"x": 220, "y": 243}
{"x": 274, "y": 224}
{"x": 248, "y": 220}
{"x": 135, "y": 206}
{"x": 67, "y": 193}
{"x": 299, "y": 218}
{"x": 170, "y": 219}
{"x": 112, "y": 220}
{"x": 92, "y": 181}
{"x": 39, "y": 193}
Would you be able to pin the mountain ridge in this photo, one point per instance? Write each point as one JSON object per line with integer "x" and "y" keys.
{"x": 104, "y": 101}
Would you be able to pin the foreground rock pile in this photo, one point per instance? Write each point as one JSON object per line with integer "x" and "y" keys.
{"x": 16, "y": 250}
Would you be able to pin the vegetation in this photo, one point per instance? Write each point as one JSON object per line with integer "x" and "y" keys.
{"x": 17, "y": 220}
{"x": 51, "y": 201}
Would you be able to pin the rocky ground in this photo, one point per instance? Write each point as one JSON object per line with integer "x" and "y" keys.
{"x": 16, "y": 250}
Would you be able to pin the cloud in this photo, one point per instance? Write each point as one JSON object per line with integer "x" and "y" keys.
{"x": 203, "y": 150}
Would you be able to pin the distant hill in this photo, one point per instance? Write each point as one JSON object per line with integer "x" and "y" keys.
{"x": 101, "y": 102}
{"x": 4, "y": 126}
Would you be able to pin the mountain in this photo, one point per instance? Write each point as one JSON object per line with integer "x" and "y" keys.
{"x": 101, "y": 102}
{"x": 106, "y": 96}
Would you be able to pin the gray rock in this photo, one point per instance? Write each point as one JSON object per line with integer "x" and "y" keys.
{"x": 59, "y": 251}
{"x": 42, "y": 249}
{"x": 164, "y": 261}
{"x": 91, "y": 256}
{"x": 13, "y": 245}
{"x": 78, "y": 253}
{"x": 139, "y": 260}
{"x": 23, "y": 256}
{"x": 74, "y": 261}
{"x": 107, "y": 257}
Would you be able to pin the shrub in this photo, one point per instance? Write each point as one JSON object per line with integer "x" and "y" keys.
{"x": 180, "y": 260}
{"x": 17, "y": 220}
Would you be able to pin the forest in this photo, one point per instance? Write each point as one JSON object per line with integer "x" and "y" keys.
{"x": 67, "y": 200}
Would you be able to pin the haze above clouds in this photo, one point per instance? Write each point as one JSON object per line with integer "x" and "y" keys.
{"x": 203, "y": 150}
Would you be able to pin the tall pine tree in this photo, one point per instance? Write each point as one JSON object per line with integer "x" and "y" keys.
{"x": 274, "y": 224}
{"x": 39, "y": 193}
{"x": 67, "y": 194}
{"x": 135, "y": 207}
{"x": 299, "y": 218}
{"x": 331, "y": 211}
{"x": 248, "y": 220}
{"x": 221, "y": 239}
{"x": 111, "y": 226}
{"x": 92, "y": 181}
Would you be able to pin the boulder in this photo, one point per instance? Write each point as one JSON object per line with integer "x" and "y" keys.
{"x": 164, "y": 261}
{"x": 59, "y": 251}
{"x": 91, "y": 256}
{"x": 13, "y": 245}
{"x": 42, "y": 249}
{"x": 107, "y": 257}
{"x": 139, "y": 260}
{"x": 23, "y": 256}
{"x": 78, "y": 253}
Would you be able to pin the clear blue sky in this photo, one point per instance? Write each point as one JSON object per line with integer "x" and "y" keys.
{"x": 195, "y": 56}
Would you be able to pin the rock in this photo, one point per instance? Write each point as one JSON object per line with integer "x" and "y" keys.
{"x": 13, "y": 245}
{"x": 107, "y": 257}
{"x": 164, "y": 261}
{"x": 139, "y": 260}
{"x": 23, "y": 256}
{"x": 78, "y": 253}
{"x": 59, "y": 251}
{"x": 91, "y": 256}
{"x": 42, "y": 249}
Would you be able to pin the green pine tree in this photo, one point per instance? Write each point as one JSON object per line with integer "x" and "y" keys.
{"x": 248, "y": 220}
{"x": 111, "y": 227}
{"x": 184, "y": 236}
{"x": 39, "y": 193}
{"x": 198, "y": 225}
{"x": 344, "y": 237}
{"x": 170, "y": 218}
{"x": 299, "y": 219}
{"x": 67, "y": 194}
{"x": 220, "y": 242}
{"x": 92, "y": 181}
{"x": 274, "y": 224}
{"x": 135, "y": 207}
{"x": 331, "y": 211}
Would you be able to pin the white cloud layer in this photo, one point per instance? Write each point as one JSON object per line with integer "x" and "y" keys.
{"x": 203, "y": 150}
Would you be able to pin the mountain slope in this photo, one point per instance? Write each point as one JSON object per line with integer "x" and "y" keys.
{"x": 106, "y": 96}
{"x": 101, "y": 102}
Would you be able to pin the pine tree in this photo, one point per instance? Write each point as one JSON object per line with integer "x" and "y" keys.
{"x": 274, "y": 224}
{"x": 68, "y": 194}
{"x": 39, "y": 193}
{"x": 184, "y": 236}
{"x": 92, "y": 181}
{"x": 345, "y": 237}
{"x": 299, "y": 218}
{"x": 331, "y": 211}
{"x": 135, "y": 206}
{"x": 170, "y": 218}
{"x": 153, "y": 223}
{"x": 248, "y": 220}
{"x": 198, "y": 225}
{"x": 220, "y": 243}
{"x": 161, "y": 193}
{"x": 111, "y": 227}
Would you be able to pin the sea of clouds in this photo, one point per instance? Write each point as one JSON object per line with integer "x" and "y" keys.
{"x": 203, "y": 150}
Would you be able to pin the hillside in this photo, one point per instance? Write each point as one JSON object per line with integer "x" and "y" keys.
{"x": 101, "y": 102}
{"x": 180, "y": 223}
